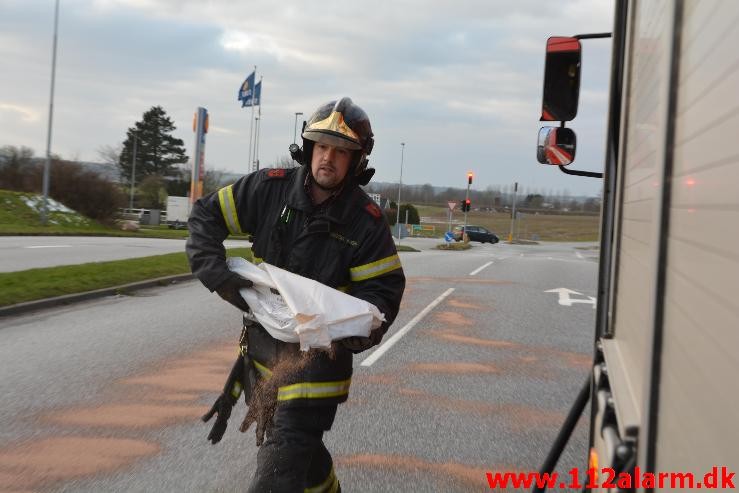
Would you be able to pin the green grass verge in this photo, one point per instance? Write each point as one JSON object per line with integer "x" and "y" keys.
{"x": 405, "y": 248}
{"x": 36, "y": 284}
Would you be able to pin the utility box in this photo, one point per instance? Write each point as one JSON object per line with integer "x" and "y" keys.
{"x": 151, "y": 217}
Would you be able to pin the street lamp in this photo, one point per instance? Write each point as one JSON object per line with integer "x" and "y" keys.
{"x": 400, "y": 185}
{"x": 133, "y": 169}
{"x": 295, "y": 131}
{"x": 47, "y": 164}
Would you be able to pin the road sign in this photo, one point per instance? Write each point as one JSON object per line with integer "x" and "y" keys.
{"x": 452, "y": 205}
{"x": 448, "y": 237}
{"x": 565, "y": 300}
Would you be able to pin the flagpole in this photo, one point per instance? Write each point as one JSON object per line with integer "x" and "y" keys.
{"x": 259, "y": 124}
{"x": 251, "y": 123}
{"x": 256, "y": 147}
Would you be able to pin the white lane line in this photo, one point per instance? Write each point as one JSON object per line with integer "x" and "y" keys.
{"x": 369, "y": 360}
{"x": 479, "y": 269}
{"x": 578, "y": 255}
{"x": 49, "y": 246}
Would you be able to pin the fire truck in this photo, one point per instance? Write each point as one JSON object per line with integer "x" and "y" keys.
{"x": 664, "y": 384}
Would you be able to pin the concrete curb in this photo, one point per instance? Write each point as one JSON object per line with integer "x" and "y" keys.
{"x": 89, "y": 295}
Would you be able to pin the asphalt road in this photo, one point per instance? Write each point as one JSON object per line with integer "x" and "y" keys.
{"x": 105, "y": 395}
{"x": 29, "y": 252}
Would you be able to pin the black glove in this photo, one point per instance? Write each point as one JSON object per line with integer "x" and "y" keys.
{"x": 223, "y": 406}
{"x": 229, "y": 291}
{"x": 357, "y": 344}
{"x": 226, "y": 401}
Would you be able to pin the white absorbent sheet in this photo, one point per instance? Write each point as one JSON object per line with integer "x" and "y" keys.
{"x": 305, "y": 310}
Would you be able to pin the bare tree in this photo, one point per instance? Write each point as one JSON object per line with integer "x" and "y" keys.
{"x": 286, "y": 162}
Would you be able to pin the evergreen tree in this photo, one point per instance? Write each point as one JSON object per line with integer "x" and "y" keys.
{"x": 413, "y": 217}
{"x": 157, "y": 152}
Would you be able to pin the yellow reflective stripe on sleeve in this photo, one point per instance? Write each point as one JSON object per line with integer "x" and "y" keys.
{"x": 313, "y": 390}
{"x": 257, "y": 260}
{"x": 343, "y": 289}
{"x": 228, "y": 209}
{"x": 263, "y": 370}
{"x": 374, "y": 269}
{"x": 329, "y": 485}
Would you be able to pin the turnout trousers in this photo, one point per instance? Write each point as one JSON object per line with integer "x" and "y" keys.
{"x": 293, "y": 457}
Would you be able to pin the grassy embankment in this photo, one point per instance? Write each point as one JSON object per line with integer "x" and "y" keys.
{"x": 36, "y": 284}
{"x": 545, "y": 227}
{"x": 19, "y": 215}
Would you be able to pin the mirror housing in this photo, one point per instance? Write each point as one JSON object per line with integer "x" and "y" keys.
{"x": 561, "y": 79}
{"x": 556, "y": 146}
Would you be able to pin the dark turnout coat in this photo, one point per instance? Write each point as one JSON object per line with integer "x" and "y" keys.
{"x": 346, "y": 245}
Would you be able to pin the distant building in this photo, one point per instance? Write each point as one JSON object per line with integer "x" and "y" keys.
{"x": 376, "y": 197}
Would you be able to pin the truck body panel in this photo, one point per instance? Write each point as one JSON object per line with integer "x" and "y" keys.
{"x": 665, "y": 387}
{"x": 699, "y": 388}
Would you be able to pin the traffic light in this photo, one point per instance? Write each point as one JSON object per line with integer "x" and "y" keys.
{"x": 467, "y": 205}
{"x": 469, "y": 177}
{"x": 462, "y": 205}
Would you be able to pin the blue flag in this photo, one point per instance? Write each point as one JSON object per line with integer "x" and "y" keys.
{"x": 246, "y": 91}
{"x": 257, "y": 99}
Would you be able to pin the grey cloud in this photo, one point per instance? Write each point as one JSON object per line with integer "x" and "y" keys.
{"x": 460, "y": 82}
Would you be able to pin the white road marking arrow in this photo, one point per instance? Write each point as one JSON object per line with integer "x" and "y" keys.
{"x": 565, "y": 300}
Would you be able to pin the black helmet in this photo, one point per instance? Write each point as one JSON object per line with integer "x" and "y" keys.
{"x": 342, "y": 124}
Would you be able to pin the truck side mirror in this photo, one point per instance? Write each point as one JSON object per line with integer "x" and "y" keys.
{"x": 561, "y": 79}
{"x": 556, "y": 145}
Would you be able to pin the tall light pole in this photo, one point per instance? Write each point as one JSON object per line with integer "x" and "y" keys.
{"x": 513, "y": 211}
{"x": 400, "y": 185}
{"x": 47, "y": 165}
{"x": 133, "y": 169}
{"x": 295, "y": 131}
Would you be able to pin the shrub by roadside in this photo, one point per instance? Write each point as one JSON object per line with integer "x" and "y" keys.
{"x": 453, "y": 246}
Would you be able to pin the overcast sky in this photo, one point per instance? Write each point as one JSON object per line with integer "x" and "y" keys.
{"x": 458, "y": 81}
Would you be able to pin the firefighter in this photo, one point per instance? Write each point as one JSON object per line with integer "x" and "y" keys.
{"x": 317, "y": 222}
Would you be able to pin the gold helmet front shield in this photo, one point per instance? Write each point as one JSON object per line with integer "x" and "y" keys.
{"x": 335, "y": 123}
{"x": 340, "y": 123}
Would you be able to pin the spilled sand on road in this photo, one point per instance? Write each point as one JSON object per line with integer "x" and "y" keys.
{"x": 94, "y": 439}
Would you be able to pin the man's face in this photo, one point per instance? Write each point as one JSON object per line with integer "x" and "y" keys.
{"x": 329, "y": 164}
